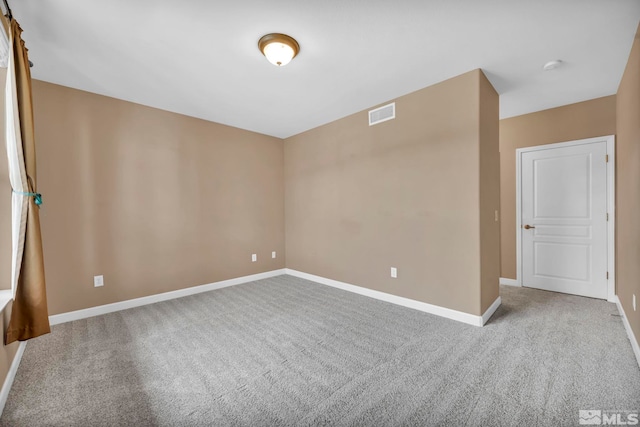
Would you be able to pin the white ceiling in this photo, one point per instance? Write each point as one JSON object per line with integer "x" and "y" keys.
{"x": 200, "y": 57}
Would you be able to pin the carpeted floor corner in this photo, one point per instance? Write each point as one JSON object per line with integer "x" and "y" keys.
{"x": 288, "y": 352}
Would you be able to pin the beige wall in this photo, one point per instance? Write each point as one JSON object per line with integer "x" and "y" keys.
{"x": 628, "y": 188}
{"x": 587, "y": 119}
{"x": 404, "y": 193}
{"x": 489, "y": 192}
{"x": 152, "y": 200}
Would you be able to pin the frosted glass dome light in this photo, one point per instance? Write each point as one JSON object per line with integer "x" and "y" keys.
{"x": 279, "y": 49}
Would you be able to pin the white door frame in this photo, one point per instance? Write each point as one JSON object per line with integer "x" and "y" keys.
{"x": 611, "y": 206}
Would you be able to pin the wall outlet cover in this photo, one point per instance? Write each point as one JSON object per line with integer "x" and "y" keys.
{"x": 98, "y": 281}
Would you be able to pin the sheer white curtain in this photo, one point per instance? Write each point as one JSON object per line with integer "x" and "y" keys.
{"x": 17, "y": 173}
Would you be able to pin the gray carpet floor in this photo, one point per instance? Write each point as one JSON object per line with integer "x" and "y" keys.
{"x": 289, "y": 352}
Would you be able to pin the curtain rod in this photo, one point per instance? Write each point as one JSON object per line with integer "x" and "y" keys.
{"x": 6, "y": 5}
{"x": 10, "y": 16}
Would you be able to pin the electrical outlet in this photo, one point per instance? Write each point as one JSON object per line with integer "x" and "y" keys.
{"x": 394, "y": 272}
{"x": 273, "y": 254}
{"x": 634, "y": 302}
{"x": 254, "y": 257}
{"x": 98, "y": 281}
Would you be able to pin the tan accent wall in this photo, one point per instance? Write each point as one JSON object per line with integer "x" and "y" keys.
{"x": 152, "y": 200}
{"x": 489, "y": 192}
{"x": 628, "y": 188}
{"x": 582, "y": 120}
{"x": 404, "y": 193}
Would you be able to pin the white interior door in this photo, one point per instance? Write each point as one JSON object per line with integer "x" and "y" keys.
{"x": 564, "y": 219}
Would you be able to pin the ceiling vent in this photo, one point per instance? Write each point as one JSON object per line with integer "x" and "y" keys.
{"x": 382, "y": 114}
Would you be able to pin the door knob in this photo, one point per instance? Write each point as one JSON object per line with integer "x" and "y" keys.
{"x": 526, "y": 227}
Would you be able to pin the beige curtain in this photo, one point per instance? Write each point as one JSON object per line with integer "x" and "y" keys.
{"x": 29, "y": 316}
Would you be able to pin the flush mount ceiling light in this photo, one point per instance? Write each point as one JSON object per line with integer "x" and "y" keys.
{"x": 552, "y": 65}
{"x": 279, "y": 49}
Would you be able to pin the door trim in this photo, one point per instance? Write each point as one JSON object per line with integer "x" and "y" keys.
{"x": 611, "y": 205}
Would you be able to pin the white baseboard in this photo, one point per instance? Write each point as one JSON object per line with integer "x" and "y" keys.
{"x": 492, "y": 309}
{"x": 405, "y": 302}
{"x": 509, "y": 282}
{"x": 151, "y": 299}
{"x": 11, "y": 375}
{"x": 627, "y": 327}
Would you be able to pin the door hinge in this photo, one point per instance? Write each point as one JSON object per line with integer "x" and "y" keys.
{"x": 607, "y": 158}
{"x": 607, "y": 216}
{"x": 607, "y": 275}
